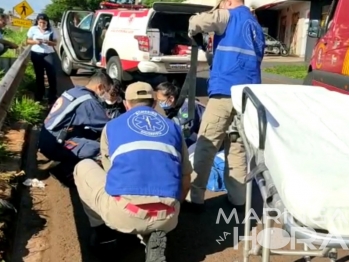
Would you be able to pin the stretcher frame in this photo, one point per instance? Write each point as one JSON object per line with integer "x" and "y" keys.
{"x": 258, "y": 171}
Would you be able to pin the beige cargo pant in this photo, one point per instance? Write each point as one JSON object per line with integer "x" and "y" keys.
{"x": 216, "y": 119}
{"x": 102, "y": 208}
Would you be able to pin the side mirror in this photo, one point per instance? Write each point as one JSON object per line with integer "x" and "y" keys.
{"x": 314, "y": 29}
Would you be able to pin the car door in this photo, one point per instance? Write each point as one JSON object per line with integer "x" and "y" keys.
{"x": 330, "y": 42}
{"x": 77, "y": 37}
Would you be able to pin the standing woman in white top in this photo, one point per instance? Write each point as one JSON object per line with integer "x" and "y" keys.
{"x": 43, "y": 39}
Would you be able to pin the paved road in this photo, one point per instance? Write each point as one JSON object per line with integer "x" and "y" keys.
{"x": 194, "y": 240}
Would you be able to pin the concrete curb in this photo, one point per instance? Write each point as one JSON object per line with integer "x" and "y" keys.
{"x": 282, "y": 79}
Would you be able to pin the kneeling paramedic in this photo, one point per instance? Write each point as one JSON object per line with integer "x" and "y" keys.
{"x": 145, "y": 175}
{"x": 176, "y": 108}
{"x": 238, "y": 52}
{"x": 75, "y": 123}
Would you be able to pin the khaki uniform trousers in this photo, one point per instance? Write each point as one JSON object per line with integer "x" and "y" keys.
{"x": 102, "y": 208}
{"x": 216, "y": 119}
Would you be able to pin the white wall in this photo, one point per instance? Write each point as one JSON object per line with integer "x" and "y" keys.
{"x": 296, "y": 42}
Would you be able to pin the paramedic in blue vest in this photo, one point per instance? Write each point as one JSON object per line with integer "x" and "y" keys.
{"x": 75, "y": 123}
{"x": 168, "y": 96}
{"x": 145, "y": 175}
{"x": 238, "y": 50}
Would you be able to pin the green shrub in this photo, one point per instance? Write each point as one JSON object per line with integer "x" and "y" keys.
{"x": 26, "y": 109}
{"x": 19, "y": 37}
{"x": 23, "y": 107}
{"x": 4, "y": 153}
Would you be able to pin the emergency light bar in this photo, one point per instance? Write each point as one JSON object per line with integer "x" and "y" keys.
{"x": 120, "y": 4}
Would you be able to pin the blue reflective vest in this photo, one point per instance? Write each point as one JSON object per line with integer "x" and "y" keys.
{"x": 238, "y": 53}
{"x": 145, "y": 153}
{"x": 65, "y": 106}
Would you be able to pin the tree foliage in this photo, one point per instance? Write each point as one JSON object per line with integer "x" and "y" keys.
{"x": 149, "y": 3}
{"x": 56, "y": 9}
{"x": 2, "y": 10}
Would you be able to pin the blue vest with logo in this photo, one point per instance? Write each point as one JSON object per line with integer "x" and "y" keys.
{"x": 64, "y": 108}
{"x": 145, "y": 153}
{"x": 238, "y": 53}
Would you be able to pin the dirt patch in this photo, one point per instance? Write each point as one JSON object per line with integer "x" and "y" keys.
{"x": 12, "y": 143}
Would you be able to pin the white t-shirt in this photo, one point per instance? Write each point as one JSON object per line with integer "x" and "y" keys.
{"x": 35, "y": 33}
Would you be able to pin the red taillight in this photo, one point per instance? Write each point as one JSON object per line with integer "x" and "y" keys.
{"x": 210, "y": 44}
{"x": 143, "y": 43}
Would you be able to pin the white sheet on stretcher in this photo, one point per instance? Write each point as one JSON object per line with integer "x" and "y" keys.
{"x": 307, "y": 150}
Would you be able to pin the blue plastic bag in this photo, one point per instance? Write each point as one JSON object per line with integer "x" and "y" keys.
{"x": 216, "y": 180}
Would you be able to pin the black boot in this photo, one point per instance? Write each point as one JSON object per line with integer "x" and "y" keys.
{"x": 102, "y": 235}
{"x": 156, "y": 247}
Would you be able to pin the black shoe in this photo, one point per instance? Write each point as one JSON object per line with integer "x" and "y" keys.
{"x": 190, "y": 207}
{"x": 238, "y": 208}
{"x": 156, "y": 247}
{"x": 102, "y": 235}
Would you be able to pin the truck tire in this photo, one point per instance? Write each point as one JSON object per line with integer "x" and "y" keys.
{"x": 114, "y": 68}
{"x": 67, "y": 65}
{"x": 177, "y": 79}
{"x": 308, "y": 80}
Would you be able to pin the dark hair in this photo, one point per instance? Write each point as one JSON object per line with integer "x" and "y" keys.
{"x": 119, "y": 87}
{"x": 101, "y": 77}
{"x": 45, "y": 18}
{"x": 168, "y": 89}
{"x": 144, "y": 102}
{"x": 4, "y": 16}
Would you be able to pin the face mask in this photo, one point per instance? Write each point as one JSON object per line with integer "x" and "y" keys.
{"x": 109, "y": 102}
{"x": 164, "y": 105}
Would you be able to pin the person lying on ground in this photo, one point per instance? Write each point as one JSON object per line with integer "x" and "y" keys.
{"x": 115, "y": 106}
{"x": 145, "y": 175}
{"x": 176, "y": 108}
{"x": 5, "y": 44}
{"x": 75, "y": 123}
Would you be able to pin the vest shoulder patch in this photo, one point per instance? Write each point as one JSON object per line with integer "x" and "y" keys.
{"x": 68, "y": 96}
{"x": 57, "y": 105}
{"x": 148, "y": 123}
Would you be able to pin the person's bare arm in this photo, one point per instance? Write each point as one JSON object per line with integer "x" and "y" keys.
{"x": 33, "y": 42}
{"x": 53, "y": 42}
{"x": 215, "y": 21}
{"x": 8, "y": 43}
{"x": 187, "y": 169}
{"x": 105, "y": 150}
{"x": 30, "y": 40}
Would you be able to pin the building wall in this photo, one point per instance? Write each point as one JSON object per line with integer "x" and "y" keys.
{"x": 293, "y": 22}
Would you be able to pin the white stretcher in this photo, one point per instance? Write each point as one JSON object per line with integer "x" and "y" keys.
{"x": 297, "y": 143}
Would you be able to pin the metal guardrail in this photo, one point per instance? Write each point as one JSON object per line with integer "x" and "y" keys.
{"x": 11, "y": 81}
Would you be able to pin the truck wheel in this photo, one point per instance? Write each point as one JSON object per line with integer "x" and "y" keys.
{"x": 114, "y": 68}
{"x": 308, "y": 80}
{"x": 177, "y": 79}
{"x": 67, "y": 65}
{"x": 284, "y": 52}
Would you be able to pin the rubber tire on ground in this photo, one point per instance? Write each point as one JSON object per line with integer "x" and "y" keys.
{"x": 115, "y": 60}
{"x": 69, "y": 71}
{"x": 177, "y": 79}
{"x": 308, "y": 80}
{"x": 284, "y": 54}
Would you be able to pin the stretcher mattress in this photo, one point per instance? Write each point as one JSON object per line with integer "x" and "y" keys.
{"x": 306, "y": 151}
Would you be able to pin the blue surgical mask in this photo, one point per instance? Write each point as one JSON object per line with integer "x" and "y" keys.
{"x": 164, "y": 105}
